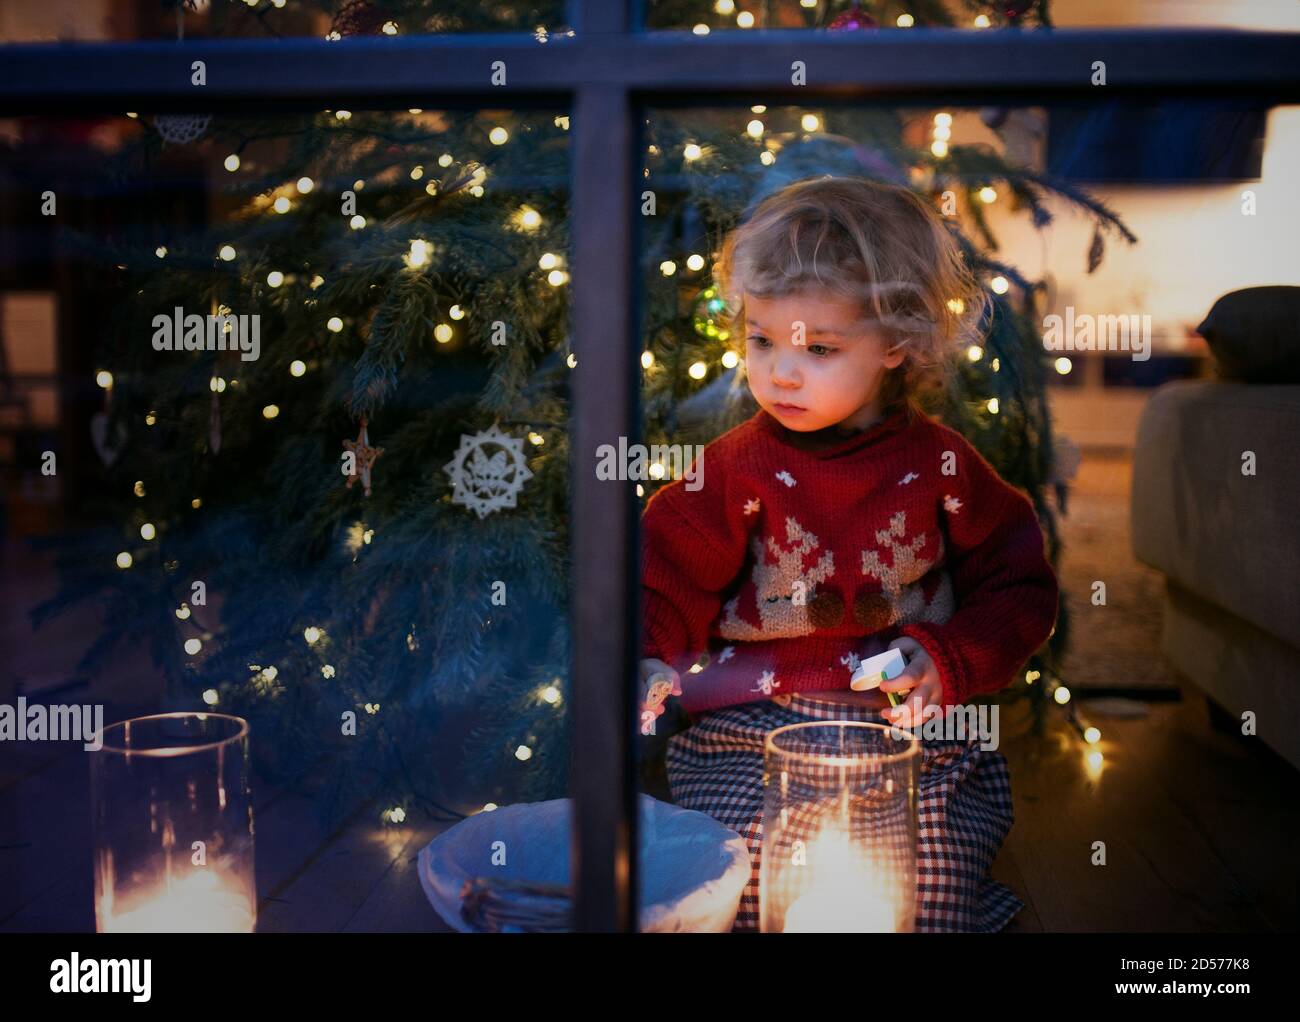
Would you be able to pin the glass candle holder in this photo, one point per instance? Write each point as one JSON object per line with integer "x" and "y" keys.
{"x": 173, "y": 826}
{"x": 839, "y": 829}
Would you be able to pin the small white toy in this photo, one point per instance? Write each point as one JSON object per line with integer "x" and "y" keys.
{"x": 881, "y": 667}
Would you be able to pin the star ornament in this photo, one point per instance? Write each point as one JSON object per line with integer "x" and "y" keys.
{"x": 488, "y": 471}
{"x": 365, "y": 456}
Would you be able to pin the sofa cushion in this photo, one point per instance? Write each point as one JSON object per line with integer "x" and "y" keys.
{"x": 1242, "y": 667}
{"x": 1230, "y": 538}
{"x": 1255, "y": 334}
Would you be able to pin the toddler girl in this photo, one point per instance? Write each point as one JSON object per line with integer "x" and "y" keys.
{"x": 841, "y": 521}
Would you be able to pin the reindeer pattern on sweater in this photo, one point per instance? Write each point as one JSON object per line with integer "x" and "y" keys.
{"x": 792, "y": 590}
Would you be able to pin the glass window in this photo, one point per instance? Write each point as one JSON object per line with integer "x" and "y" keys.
{"x": 705, "y": 16}
{"x": 29, "y": 21}
{"x": 283, "y": 428}
{"x": 1099, "y": 236}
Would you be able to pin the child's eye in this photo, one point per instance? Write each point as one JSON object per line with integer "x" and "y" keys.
{"x": 760, "y": 341}
{"x": 824, "y": 352}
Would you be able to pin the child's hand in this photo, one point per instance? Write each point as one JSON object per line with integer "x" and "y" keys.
{"x": 658, "y": 682}
{"x": 921, "y": 678}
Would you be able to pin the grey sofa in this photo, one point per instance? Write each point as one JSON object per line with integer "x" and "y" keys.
{"x": 1227, "y": 542}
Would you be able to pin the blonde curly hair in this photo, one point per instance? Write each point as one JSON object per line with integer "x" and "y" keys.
{"x": 876, "y": 243}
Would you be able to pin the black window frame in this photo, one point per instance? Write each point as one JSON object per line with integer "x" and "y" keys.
{"x": 608, "y": 72}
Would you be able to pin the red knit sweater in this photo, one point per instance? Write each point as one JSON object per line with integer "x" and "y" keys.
{"x": 802, "y": 553}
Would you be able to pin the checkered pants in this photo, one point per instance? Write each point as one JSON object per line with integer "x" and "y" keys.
{"x": 964, "y": 808}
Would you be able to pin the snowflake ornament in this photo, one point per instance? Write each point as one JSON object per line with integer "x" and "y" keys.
{"x": 766, "y": 683}
{"x": 951, "y": 504}
{"x": 488, "y": 471}
{"x": 727, "y": 653}
{"x": 752, "y": 506}
{"x": 908, "y": 478}
{"x": 785, "y": 477}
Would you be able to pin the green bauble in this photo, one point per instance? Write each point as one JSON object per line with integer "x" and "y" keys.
{"x": 707, "y": 314}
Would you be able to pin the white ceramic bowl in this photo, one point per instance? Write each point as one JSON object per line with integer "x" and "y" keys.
{"x": 693, "y": 869}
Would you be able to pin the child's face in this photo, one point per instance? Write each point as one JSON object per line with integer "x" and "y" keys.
{"x": 830, "y": 375}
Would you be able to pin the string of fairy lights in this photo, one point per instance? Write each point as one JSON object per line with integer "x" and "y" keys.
{"x": 420, "y": 254}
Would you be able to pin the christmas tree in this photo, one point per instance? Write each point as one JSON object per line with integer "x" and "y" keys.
{"x": 357, "y": 539}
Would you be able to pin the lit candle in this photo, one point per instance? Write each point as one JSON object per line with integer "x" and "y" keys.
{"x": 197, "y": 904}
{"x": 847, "y": 894}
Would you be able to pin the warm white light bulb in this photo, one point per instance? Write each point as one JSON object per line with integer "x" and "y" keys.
{"x": 418, "y": 254}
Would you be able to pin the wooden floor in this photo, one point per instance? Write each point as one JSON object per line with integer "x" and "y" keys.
{"x": 1199, "y": 827}
{"x": 1199, "y": 830}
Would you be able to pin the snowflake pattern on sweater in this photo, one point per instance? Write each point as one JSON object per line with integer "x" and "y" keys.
{"x": 772, "y": 586}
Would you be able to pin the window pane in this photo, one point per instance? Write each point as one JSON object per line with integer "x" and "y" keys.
{"x": 283, "y": 430}
{"x": 845, "y": 16}
{"x": 23, "y": 21}
{"x": 1099, "y": 237}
